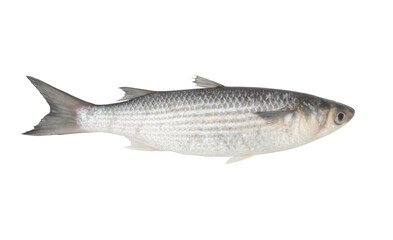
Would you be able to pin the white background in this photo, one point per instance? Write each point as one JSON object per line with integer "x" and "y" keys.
{"x": 88, "y": 186}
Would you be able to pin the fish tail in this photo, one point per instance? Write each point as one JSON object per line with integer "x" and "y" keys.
{"x": 62, "y": 118}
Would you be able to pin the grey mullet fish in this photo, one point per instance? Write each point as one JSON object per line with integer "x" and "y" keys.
{"x": 235, "y": 122}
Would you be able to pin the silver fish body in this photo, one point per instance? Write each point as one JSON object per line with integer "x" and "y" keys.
{"x": 212, "y": 121}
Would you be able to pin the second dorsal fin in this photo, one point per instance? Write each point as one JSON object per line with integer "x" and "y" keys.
{"x": 130, "y": 93}
{"x": 206, "y": 83}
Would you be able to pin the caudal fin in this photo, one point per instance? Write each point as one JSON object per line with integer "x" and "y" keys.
{"x": 62, "y": 118}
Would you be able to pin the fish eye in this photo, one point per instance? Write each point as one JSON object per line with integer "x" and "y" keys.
{"x": 339, "y": 118}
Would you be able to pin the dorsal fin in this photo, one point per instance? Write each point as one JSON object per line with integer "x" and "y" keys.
{"x": 206, "y": 83}
{"x": 130, "y": 93}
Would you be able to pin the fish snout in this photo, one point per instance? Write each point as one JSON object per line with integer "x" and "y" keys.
{"x": 350, "y": 112}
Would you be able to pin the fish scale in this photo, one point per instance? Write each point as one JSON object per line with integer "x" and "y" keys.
{"x": 212, "y": 121}
{"x": 197, "y": 121}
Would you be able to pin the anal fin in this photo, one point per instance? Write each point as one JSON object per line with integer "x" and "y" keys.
{"x": 139, "y": 145}
{"x": 239, "y": 158}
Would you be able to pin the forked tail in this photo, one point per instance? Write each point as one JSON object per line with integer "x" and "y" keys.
{"x": 62, "y": 118}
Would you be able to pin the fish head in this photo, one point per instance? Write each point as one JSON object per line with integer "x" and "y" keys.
{"x": 322, "y": 117}
{"x": 339, "y": 115}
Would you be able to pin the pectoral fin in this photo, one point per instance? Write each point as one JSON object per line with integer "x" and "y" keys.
{"x": 275, "y": 116}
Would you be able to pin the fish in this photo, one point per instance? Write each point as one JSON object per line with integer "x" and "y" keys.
{"x": 213, "y": 120}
